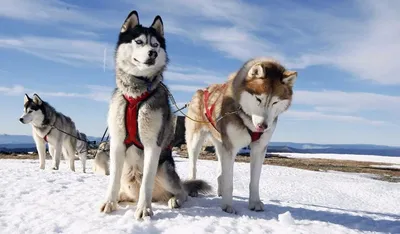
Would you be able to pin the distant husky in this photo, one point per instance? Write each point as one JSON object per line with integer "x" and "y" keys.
{"x": 101, "y": 160}
{"x": 46, "y": 123}
{"x": 141, "y": 124}
{"x": 242, "y": 111}
{"x": 82, "y": 148}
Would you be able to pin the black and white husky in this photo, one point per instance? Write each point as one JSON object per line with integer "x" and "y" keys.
{"x": 55, "y": 128}
{"x": 141, "y": 124}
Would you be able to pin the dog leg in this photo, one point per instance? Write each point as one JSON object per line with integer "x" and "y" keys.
{"x": 57, "y": 156}
{"x": 257, "y": 156}
{"x": 41, "y": 148}
{"x": 218, "y": 152}
{"x": 83, "y": 157}
{"x": 151, "y": 158}
{"x": 172, "y": 183}
{"x": 117, "y": 157}
{"x": 227, "y": 160}
{"x": 193, "y": 148}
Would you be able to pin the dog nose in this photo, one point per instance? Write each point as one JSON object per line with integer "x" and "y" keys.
{"x": 21, "y": 120}
{"x": 153, "y": 54}
{"x": 262, "y": 126}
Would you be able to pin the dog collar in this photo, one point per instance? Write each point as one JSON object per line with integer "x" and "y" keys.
{"x": 149, "y": 82}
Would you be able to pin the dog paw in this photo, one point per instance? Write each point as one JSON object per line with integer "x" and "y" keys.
{"x": 55, "y": 168}
{"x": 228, "y": 209}
{"x": 109, "y": 207}
{"x": 42, "y": 167}
{"x": 256, "y": 205}
{"x": 142, "y": 212}
{"x": 174, "y": 202}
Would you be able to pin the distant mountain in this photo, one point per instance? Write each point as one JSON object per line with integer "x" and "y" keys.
{"x": 25, "y": 143}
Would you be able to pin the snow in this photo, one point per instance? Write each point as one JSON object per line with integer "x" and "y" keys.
{"x": 296, "y": 201}
{"x": 364, "y": 158}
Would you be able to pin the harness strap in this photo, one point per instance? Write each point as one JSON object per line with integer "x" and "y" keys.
{"x": 131, "y": 120}
{"x": 131, "y": 123}
{"x": 210, "y": 110}
{"x": 255, "y": 136}
{"x": 45, "y": 137}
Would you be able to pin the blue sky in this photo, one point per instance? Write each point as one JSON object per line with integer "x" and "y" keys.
{"x": 347, "y": 56}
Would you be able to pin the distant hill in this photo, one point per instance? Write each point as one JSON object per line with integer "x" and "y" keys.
{"x": 25, "y": 143}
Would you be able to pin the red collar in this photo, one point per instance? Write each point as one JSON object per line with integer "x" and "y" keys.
{"x": 133, "y": 101}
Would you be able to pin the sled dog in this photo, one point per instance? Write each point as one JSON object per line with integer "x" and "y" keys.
{"x": 141, "y": 124}
{"x": 101, "y": 159}
{"x": 82, "y": 148}
{"x": 240, "y": 112}
{"x": 46, "y": 124}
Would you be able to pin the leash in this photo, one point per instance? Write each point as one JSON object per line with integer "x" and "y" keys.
{"x": 187, "y": 104}
{"x": 79, "y": 139}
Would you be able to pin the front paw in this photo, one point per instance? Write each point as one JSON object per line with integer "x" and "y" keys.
{"x": 256, "y": 205}
{"x": 42, "y": 167}
{"x": 55, "y": 168}
{"x": 228, "y": 209}
{"x": 109, "y": 207}
{"x": 143, "y": 211}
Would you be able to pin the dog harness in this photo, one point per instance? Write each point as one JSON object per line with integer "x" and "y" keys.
{"x": 255, "y": 136}
{"x": 131, "y": 119}
{"x": 45, "y": 137}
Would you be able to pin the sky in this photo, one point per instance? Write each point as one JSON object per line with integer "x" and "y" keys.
{"x": 346, "y": 53}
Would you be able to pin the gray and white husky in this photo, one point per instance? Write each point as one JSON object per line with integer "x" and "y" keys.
{"x": 46, "y": 124}
{"x": 141, "y": 124}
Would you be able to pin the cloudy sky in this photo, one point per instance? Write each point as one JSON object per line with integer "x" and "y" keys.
{"x": 346, "y": 52}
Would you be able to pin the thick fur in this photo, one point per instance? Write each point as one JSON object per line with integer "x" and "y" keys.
{"x": 142, "y": 175}
{"x": 101, "y": 159}
{"x": 252, "y": 98}
{"x": 82, "y": 148}
{"x": 45, "y": 120}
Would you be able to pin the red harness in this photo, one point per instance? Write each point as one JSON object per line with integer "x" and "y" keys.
{"x": 209, "y": 110}
{"x": 131, "y": 117}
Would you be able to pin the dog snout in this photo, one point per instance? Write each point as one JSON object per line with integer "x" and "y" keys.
{"x": 262, "y": 126}
{"x": 153, "y": 54}
{"x": 21, "y": 120}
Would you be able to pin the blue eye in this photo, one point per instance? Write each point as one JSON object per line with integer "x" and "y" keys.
{"x": 139, "y": 42}
{"x": 154, "y": 44}
{"x": 274, "y": 103}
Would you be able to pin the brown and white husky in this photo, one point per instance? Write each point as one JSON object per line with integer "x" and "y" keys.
{"x": 243, "y": 111}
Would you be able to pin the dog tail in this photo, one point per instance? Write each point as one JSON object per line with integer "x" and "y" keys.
{"x": 194, "y": 187}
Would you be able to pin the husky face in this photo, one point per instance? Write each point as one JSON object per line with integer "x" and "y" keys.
{"x": 267, "y": 92}
{"x": 141, "y": 50}
{"x": 33, "y": 110}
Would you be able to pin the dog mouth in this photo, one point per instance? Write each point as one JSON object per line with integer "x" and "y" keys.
{"x": 148, "y": 62}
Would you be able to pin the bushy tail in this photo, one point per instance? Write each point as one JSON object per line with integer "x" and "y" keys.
{"x": 194, "y": 187}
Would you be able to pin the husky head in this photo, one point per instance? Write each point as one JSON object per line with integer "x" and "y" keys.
{"x": 264, "y": 88}
{"x": 33, "y": 110}
{"x": 141, "y": 50}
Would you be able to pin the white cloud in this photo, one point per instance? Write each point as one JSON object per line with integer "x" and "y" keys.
{"x": 96, "y": 93}
{"x": 50, "y": 12}
{"x": 350, "y": 102}
{"x": 359, "y": 37}
{"x": 314, "y": 115}
{"x": 70, "y": 51}
{"x": 12, "y": 91}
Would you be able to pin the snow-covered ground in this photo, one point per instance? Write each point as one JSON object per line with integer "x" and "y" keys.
{"x": 364, "y": 158}
{"x": 296, "y": 201}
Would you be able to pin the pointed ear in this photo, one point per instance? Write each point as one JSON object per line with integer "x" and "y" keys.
{"x": 26, "y": 98}
{"x": 289, "y": 77}
{"x": 131, "y": 21}
{"x": 256, "y": 71}
{"x": 37, "y": 100}
{"x": 158, "y": 25}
